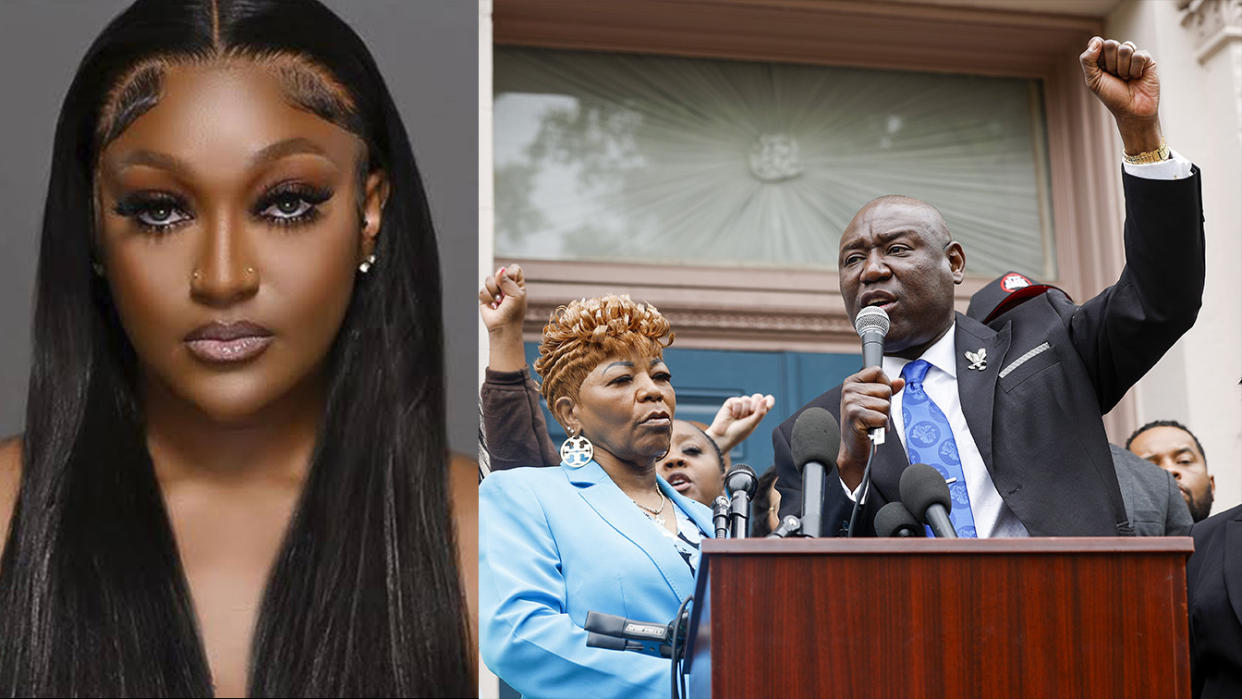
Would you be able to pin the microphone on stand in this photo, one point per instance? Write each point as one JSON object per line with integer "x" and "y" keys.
{"x": 895, "y": 520}
{"x": 741, "y": 482}
{"x": 926, "y": 495}
{"x": 720, "y": 516}
{"x": 872, "y": 325}
{"x": 815, "y": 440}
{"x": 790, "y": 526}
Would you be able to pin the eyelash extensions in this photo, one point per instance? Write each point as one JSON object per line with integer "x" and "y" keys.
{"x": 305, "y": 197}
{"x": 284, "y": 204}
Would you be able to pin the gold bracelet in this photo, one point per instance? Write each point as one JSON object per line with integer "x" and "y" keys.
{"x": 1151, "y": 156}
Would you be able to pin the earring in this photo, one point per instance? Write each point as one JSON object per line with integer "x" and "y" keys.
{"x": 367, "y": 264}
{"x": 577, "y": 451}
{"x": 97, "y": 268}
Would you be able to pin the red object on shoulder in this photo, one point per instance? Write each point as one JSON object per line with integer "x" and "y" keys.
{"x": 1004, "y": 293}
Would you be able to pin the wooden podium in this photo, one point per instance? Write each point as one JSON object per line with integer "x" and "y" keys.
{"x": 1060, "y": 617}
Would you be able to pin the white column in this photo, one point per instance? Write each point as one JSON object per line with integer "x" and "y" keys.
{"x": 1198, "y": 48}
{"x": 489, "y": 686}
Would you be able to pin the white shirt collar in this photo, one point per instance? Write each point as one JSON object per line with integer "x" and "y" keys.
{"x": 940, "y": 355}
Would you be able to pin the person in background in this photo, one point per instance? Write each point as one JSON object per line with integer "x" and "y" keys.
{"x": 764, "y": 508}
{"x": 1173, "y": 447}
{"x": 1213, "y": 592}
{"x": 694, "y": 465}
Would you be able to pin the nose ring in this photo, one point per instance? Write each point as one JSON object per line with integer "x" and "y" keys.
{"x": 196, "y": 275}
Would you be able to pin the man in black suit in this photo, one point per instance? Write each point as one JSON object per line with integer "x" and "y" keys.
{"x": 1214, "y": 592}
{"x": 1021, "y": 395}
{"x": 1173, "y": 447}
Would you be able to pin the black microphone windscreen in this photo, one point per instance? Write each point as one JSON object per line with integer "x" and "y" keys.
{"x": 742, "y": 477}
{"x": 921, "y": 487}
{"x": 816, "y": 437}
{"x": 893, "y": 517}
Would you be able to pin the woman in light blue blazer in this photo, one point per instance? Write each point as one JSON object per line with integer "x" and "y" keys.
{"x": 600, "y": 533}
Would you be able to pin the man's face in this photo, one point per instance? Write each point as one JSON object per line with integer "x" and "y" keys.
{"x": 1174, "y": 450}
{"x": 897, "y": 254}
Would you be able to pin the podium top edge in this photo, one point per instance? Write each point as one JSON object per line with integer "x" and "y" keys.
{"x": 876, "y": 546}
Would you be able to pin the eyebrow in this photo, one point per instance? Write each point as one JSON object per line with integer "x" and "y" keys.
{"x": 276, "y": 151}
{"x": 153, "y": 159}
{"x": 289, "y": 146}
{"x": 630, "y": 365}
{"x": 1177, "y": 451}
{"x": 883, "y": 237}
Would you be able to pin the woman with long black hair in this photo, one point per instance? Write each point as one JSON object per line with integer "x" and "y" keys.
{"x": 233, "y": 477}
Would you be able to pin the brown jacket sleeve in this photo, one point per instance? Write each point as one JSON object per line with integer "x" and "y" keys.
{"x": 514, "y": 431}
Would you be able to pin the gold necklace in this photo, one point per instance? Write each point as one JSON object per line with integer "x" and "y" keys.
{"x": 655, "y": 515}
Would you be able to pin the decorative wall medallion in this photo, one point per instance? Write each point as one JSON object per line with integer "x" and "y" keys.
{"x": 774, "y": 158}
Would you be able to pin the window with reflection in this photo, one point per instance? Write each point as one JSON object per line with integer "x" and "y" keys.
{"x": 664, "y": 160}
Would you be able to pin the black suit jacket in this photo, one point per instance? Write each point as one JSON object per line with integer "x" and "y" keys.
{"x": 1214, "y": 589}
{"x": 1038, "y": 427}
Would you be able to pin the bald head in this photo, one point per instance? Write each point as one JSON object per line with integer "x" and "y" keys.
{"x": 921, "y": 216}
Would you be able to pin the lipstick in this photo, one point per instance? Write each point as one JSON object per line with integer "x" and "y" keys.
{"x": 227, "y": 343}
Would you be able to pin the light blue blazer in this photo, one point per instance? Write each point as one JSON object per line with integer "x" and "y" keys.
{"x": 555, "y": 543}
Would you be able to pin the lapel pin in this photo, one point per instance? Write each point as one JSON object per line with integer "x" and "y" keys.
{"x": 978, "y": 359}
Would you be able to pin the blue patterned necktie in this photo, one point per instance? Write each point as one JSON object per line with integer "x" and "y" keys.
{"x": 929, "y": 440}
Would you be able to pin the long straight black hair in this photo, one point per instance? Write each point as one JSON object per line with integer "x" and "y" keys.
{"x": 364, "y": 598}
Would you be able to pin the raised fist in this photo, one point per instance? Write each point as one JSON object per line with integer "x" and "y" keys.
{"x": 1124, "y": 79}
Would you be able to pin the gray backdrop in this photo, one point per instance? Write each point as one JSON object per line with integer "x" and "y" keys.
{"x": 427, "y": 51}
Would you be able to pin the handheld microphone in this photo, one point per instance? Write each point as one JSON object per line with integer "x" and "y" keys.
{"x": 926, "y": 495}
{"x": 741, "y": 482}
{"x": 895, "y": 520}
{"x": 872, "y": 325}
{"x": 720, "y": 516}
{"x": 815, "y": 440}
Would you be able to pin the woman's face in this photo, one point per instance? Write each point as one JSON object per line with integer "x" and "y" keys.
{"x": 625, "y": 407}
{"x": 230, "y": 235}
{"x": 691, "y": 465}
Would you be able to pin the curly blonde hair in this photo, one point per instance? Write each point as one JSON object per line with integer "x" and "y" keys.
{"x": 583, "y": 333}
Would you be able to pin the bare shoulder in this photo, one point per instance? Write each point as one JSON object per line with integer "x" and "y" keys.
{"x": 464, "y": 495}
{"x": 10, "y": 479}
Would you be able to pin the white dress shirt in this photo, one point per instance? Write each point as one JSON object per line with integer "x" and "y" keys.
{"x": 992, "y": 517}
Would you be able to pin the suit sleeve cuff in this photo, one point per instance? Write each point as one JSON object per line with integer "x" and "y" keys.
{"x": 1175, "y": 168}
{"x": 851, "y": 494}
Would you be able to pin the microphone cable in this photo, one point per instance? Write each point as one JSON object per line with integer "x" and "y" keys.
{"x": 862, "y": 493}
{"x": 678, "y": 688}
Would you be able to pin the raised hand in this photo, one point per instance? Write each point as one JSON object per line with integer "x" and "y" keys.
{"x": 502, "y": 299}
{"x": 737, "y": 418}
{"x": 502, "y": 306}
{"x": 1125, "y": 81}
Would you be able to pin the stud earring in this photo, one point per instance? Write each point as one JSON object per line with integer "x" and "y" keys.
{"x": 97, "y": 268}
{"x": 577, "y": 451}
{"x": 367, "y": 264}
